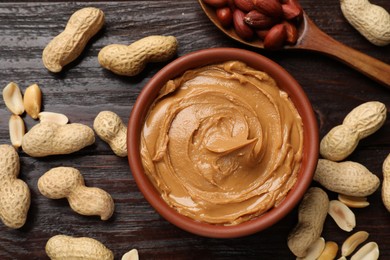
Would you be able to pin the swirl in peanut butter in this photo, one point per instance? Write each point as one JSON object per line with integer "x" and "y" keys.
{"x": 222, "y": 143}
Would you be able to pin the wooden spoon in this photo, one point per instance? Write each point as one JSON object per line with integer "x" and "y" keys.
{"x": 313, "y": 39}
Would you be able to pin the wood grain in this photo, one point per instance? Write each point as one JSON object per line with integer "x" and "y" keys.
{"x": 84, "y": 89}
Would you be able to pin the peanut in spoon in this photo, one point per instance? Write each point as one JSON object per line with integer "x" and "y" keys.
{"x": 312, "y": 38}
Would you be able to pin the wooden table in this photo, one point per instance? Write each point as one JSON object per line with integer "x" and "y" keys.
{"x": 84, "y": 89}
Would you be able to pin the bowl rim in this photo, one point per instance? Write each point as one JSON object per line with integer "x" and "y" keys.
{"x": 202, "y": 58}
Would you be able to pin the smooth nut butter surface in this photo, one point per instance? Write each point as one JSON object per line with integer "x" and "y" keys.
{"x": 222, "y": 143}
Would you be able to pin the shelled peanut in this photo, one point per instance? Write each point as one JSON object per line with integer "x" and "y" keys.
{"x": 330, "y": 251}
{"x": 352, "y": 242}
{"x": 342, "y": 215}
{"x": 17, "y": 105}
{"x": 131, "y": 255}
{"x": 32, "y": 100}
{"x": 274, "y": 22}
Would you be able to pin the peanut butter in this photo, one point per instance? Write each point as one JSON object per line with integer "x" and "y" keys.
{"x": 222, "y": 143}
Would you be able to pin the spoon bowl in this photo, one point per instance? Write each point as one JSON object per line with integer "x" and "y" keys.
{"x": 311, "y": 38}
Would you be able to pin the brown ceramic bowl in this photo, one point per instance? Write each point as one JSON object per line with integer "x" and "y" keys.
{"x": 285, "y": 82}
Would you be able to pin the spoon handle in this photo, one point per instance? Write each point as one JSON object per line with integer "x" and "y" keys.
{"x": 317, "y": 40}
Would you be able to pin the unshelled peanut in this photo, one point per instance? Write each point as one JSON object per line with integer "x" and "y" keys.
{"x": 312, "y": 213}
{"x": 131, "y": 60}
{"x": 111, "y": 129}
{"x": 386, "y": 183}
{"x": 347, "y": 178}
{"x": 370, "y": 20}
{"x": 14, "y": 193}
{"x": 68, "y": 45}
{"x": 62, "y": 247}
{"x": 67, "y": 182}
{"x": 48, "y": 138}
{"x": 361, "y": 122}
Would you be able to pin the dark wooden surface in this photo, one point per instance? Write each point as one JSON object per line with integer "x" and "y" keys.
{"x": 84, "y": 89}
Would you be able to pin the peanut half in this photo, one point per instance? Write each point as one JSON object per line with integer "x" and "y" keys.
{"x": 68, "y": 45}
{"x": 342, "y": 215}
{"x": 369, "y": 251}
{"x": 131, "y": 255}
{"x": 312, "y": 212}
{"x": 352, "y": 242}
{"x": 16, "y": 130}
{"x": 386, "y": 183}
{"x": 62, "y": 247}
{"x": 13, "y": 98}
{"x": 348, "y": 178}
{"x": 330, "y": 251}
{"x": 32, "y": 100}
{"x": 53, "y": 117}
{"x": 353, "y": 202}
{"x": 361, "y": 122}
{"x": 67, "y": 182}
{"x": 315, "y": 250}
